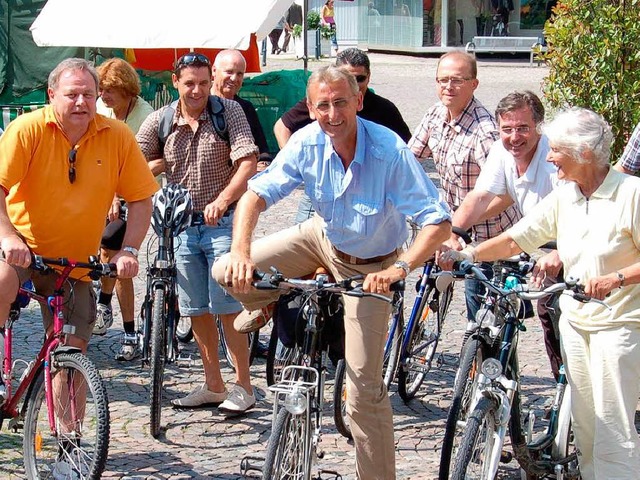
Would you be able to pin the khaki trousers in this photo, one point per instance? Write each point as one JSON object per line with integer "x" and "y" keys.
{"x": 603, "y": 369}
{"x": 298, "y": 251}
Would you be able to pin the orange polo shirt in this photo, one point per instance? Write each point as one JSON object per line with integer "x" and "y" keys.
{"x": 58, "y": 218}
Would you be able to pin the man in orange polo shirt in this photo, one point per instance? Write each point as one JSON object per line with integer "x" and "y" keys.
{"x": 60, "y": 167}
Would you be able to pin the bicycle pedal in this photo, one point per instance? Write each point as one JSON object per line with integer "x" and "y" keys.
{"x": 184, "y": 361}
{"x": 334, "y": 475}
{"x": 247, "y": 464}
{"x": 505, "y": 456}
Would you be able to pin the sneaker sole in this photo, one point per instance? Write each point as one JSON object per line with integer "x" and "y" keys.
{"x": 195, "y": 407}
{"x": 234, "y": 413}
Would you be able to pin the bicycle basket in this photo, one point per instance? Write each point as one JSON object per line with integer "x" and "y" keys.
{"x": 172, "y": 209}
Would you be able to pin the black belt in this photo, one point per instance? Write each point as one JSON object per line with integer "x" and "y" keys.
{"x": 350, "y": 259}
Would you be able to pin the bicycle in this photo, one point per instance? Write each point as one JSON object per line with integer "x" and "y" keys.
{"x": 296, "y": 428}
{"x": 66, "y": 433}
{"x": 410, "y": 349}
{"x": 496, "y": 401}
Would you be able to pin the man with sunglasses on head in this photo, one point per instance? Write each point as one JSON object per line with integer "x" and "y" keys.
{"x": 60, "y": 167}
{"x": 457, "y": 133}
{"x": 215, "y": 170}
{"x": 516, "y": 173}
{"x": 364, "y": 184}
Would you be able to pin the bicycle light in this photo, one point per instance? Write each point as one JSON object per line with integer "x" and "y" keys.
{"x": 491, "y": 368}
{"x": 295, "y": 402}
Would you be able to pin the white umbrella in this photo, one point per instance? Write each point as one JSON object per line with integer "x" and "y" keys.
{"x": 155, "y": 23}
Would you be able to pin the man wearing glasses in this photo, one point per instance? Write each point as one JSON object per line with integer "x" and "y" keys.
{"x": 457, "y": 133}
{"x": 215, "y": 171}
{"x": 516, "y": 173}
{"x": 359, "y": 176}
{"x": 60, "y": 168}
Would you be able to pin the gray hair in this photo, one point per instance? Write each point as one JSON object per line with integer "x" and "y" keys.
{"x": 578, "y": 131}
{"x": 331, "y": 74}
{"x": 521, "y": 99}
{"x": 72, "y": 64}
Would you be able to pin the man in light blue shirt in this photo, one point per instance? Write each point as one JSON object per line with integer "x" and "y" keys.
{"x": 363, "y": 182}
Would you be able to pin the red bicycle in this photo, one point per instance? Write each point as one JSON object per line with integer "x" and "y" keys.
{"x": 65, "y": 412}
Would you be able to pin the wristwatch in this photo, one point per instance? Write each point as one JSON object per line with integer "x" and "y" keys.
{"x": 620, "y": 278}
{"x": 404, "y": 266}
{"x": 132, "y": 250}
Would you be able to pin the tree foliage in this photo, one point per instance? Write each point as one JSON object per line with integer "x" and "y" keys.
{"x": 594, "y": 60}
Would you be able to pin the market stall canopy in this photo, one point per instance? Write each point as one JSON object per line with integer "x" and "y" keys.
{"x": 156, "y": 23}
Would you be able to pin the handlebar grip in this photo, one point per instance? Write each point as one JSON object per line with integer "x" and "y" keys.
{"x": 581, "y": 297}
{"x": 463, "y": 234}
{"x": 398, "y": 286}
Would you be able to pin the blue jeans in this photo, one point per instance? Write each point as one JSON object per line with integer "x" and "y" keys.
{"x": 473, "y": 290}
{"x": 199, "y": 248}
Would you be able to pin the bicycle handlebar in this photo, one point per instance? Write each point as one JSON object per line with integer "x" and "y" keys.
{"x": 348, "y": 286}
{"x": 570, "y": 286}
{"x": 96, "y": 269}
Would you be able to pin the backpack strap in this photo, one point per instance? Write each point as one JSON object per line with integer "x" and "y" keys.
{"x": 216, "y": 113}
{"x": 165, "y": 127}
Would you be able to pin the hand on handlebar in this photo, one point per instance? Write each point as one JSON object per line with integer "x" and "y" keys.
{"x": 600, "y": 287}
{"x": 127, "y": 265}
{"x": 379, "y": 282}
{"x": 547, "y": 265}
{"x": 448, "y": 258}
{"x": 239, "y": 273}
{"x": 15, "y": 251}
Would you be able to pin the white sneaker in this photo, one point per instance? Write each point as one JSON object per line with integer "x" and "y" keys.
{"x": 65, "y": 469}
{"x": 104, "y": 319}
{"x": 238, "y": 401}
{"x": 200, "y": 397}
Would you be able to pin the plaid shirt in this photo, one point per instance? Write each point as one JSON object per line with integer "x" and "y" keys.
{"x": 201, "y": 161}
{"x": 459, "y": 148}
{"x": 631, "y": 156}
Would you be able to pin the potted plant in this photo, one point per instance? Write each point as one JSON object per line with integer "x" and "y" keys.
{"x": 318, "y": 36}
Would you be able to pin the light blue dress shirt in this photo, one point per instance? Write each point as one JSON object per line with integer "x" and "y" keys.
{"x": 364, "y": 208}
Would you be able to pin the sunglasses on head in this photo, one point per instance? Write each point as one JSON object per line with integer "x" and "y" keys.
{"x": 192, "y": 60}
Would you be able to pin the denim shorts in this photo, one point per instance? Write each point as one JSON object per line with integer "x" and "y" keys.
{"x": 199, "y": 247}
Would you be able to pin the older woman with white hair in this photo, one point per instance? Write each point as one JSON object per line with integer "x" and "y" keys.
{"x": 595, "y": 218}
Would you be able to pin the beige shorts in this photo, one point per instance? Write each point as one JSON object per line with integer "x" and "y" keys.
{"x": 79, "y": 305}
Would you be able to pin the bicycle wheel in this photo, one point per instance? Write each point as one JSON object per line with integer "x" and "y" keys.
{"x": 422, "y": 346}
{"x": 288, "y": 456}
{"x": 183, "y": 330}
{"x": 78, "y": 448}
{"x": 278, "y": 357}
{"x": 157, "y": 359}
{"x": 478, "y": 443}
{"x": 252, "y": 344}
{"x": 392, "y": 348}
{"x": 473, "y": 353}
{"x": 340, "y": 401}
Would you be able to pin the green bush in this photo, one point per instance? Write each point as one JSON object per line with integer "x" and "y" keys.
{"x": 313, "y": 23}
{"x": 594, "y": 61}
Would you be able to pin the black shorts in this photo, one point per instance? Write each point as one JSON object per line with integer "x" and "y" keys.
{"x": 113, "y": 235}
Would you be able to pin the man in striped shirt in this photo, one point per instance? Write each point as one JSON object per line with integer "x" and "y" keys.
{"x": 457, "y": 133}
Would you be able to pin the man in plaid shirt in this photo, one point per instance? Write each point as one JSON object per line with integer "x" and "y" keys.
{"x": 630, "y": 161}
{"x": 457, "y": 132}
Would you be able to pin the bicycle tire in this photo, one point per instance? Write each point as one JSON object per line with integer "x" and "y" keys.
{"x": 473, "y": 353}
{"x": 252, "y": 345}
{"x": 477, "y": 442}
{"x": 340, "y": 401}
{"x": 278, "y": 357}
{"x": 392, "y": 354}
{"x": 414, "y": 368}
{"x": 184, "y": 332}
{"x": 85, "y": 451}
{"x": 288, "y": 454}
{"x": 157, "y": 359}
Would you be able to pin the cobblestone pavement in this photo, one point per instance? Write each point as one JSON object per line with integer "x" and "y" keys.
{"x": 204, "y": 444}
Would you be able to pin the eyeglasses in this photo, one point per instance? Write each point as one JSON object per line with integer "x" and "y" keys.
{"x": 361, "y": 78}
{"x": 72, "y": 165}
{"x": 454, "y": 81}
{"x": 339, "y": 104}
{"x": 512, "y": 130}
{"x": 192, "y": 60}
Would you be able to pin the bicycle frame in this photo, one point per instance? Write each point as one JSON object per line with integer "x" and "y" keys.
{"x": 51, "y": 344}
